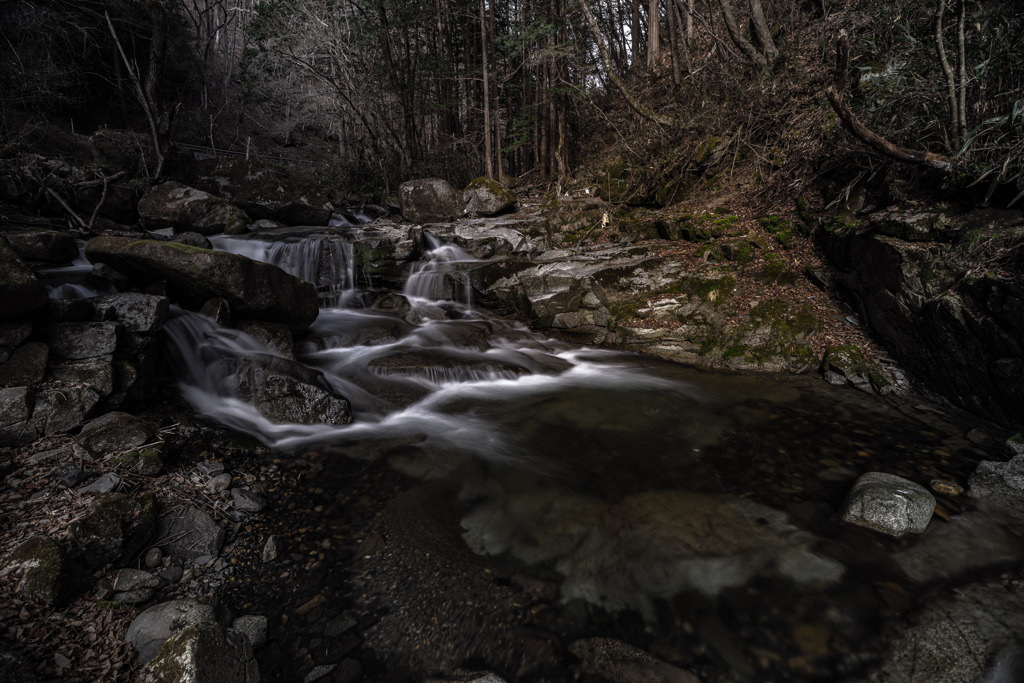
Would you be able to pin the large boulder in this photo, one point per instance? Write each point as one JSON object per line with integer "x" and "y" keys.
{"x": 20, "y": 291}
{"x": 113, "y": 433}
{"x": 485, "y": 197}
{"x": 282, "y": 389}
{"x": 45, "y": 572}
{"x": 54, "y": 410}
{"x": 429, "y": 200}
{"x": 193, "y": 276}
{"x": 178, "y": 206}
{"x": 287, "y": 213}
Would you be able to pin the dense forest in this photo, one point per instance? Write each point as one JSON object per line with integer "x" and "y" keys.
{"x": 377, "y": 91}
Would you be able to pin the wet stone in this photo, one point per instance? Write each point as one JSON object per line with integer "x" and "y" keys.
{"x": 252, "y": 627}
{"x": 25, "y": 366}
{"x": 134, "y": 579}
{"x": 247, "y": 501}
{"x": 210, "y": 469}
{"x": 272, "y": 549}
{"x": 219, "y": 483}
{"x": 74, "y": 341}
{"x": 889, "y": 504}
{"x": 319, "y": 672}
{"x": 153, "y": 558}
{"x": 134, "y": 597}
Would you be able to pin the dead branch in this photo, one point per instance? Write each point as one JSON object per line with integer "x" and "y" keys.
{"x": 836, "y": 94}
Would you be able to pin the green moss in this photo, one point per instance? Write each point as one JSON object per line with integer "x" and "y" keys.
{"x": 778, "y": 228}
{"x": 494, "y": 187}
{"x": 776, "y": 271}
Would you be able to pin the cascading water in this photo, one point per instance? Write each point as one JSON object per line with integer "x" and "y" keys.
{"x": 638, "y": 480}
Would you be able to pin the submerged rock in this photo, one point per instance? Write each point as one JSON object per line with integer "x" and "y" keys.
{"x": 889, "y": 504}
{"x": 193, "y": 276}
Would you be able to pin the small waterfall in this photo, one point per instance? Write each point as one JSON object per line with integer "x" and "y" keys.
{"x": 436, "y": 276}
{"x": 328, "y": 264}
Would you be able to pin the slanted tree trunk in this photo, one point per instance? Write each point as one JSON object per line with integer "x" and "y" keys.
{"x": 762, "y": 34}
{"x": 947, "y": 71}
{"x": 745, "y": 46}
{"x": 836, "y": 94}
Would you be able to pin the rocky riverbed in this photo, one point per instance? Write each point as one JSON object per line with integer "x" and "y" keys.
{"x": 439, "y": 492}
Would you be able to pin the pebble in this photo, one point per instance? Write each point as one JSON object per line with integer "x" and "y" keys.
{"x": 210, "y": 469}
{"x": 202, "y": 560}
{"x": 171, "y": 574}
{"x": 271, "y": 550}
{"x": 154, "y": 556}
{"x": 218, "y": 483}
{"x": 339, "y": 625}
{"x": 247, "y": 500}
{"x": 946, "y": 487}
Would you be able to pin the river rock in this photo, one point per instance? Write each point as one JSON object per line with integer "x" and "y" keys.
{"x": 187, "y": 209}
{"x": 45, "y": 572}
{"x": 274, "y": 335}
{"x": 252, "y": 627}
{"x": 20, "y": 291}
{"x": 193, "y": 239}
{"x": 429, "y": 200}
{"x": 114, "y": 528}
{"x": 114, "y": 432}
{"x": 134, "y": 579}
{"x": 96, "y": 373}
{"x": 202, "y": 653}
{"x": 151, "y": 629}
{"x": 612, "y": 660}
{"x": 193, "y": 276}
{"x": 286, "y": 213}
{"x": 189, "y": 533}
{"x": 56, "y": 410}
{"x": 281, "y": 389}
{"x": 486, "y": 197}
{"x": 76, "y": 340}
{"x": 247, "y": 501}
{"x": 39, "y": 244}
{"x": 13, "y": 335}
{"x": 26, "y": 365}
{"x": 889, "y": 504}
{"x": 16, "y": 405}
{"x": 105, "y": 484}
{"x": 139, "y": 313}
{"x": 1000, "y": 479}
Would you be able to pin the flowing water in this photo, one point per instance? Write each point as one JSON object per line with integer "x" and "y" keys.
{"x": 704, "y": 502}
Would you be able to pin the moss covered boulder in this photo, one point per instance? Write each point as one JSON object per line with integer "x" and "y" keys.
{"x": 203, "y": 653}
{"x": 485, "y": 197}
{"x": 44, "y": 571}
{"x": 260, "y": 291}
{"x": 114, "y": 528}
{"x": 20, "y": 291}
{"x": 184, "y": 208}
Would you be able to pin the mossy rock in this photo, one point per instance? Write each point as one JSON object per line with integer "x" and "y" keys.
{"x": 486, "y": 197}
{"x": 114, "y": 528}
{"x": 711, "y": 150}
{"x": 146, "y": 461}
{"x": 740, "y": 251}
{"x": 202, "y": 652}
{"x": 45, "y": 572}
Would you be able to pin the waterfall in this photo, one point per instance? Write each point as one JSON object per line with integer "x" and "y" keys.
{"x": 436, "y": 277}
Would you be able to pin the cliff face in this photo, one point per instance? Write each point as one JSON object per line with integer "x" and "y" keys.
{"x": 936, "y": 291}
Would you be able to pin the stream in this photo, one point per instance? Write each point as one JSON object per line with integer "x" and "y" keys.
{"x": 702, "y": 505}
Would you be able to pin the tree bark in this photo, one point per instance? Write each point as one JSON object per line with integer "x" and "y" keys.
{"x": 762, "y": 32}
{"x": 653, "y": 34}
{"x": 961, "y": 56}
{"x": 489, "y": 164}
{"x": 947, "y": 71}
{"x": 836, "y": 94}
{"x": 745, "y": 46}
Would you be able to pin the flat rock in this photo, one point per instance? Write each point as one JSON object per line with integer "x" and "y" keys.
{"x": 40, "y": 244}
{"x": 140, "y": 313}
{"x": 889, "y": 504}
{"x": 113, "y": 433}
{"x": 247, "y": 501}
{"x": 133, "y": 579}
{"x": 96, "y": 373}
{"x": 26, "y": 365}
{"x": 612, "y": 660}
{"x": 76, "y": 340}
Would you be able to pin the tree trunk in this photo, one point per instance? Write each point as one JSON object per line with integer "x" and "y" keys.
{"x": 947, "y": 71}
{"x": 762, "y": 32}
{"x": 488, "y": 164}
{"x": 745, "y": 46}
{"x": 653, "y": 35}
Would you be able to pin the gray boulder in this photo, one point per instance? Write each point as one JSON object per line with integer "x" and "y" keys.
{"x": 193, "y": 276}
{"x": 55, "y": 410}
{"x": 252, "y": 627}
{"x": 20, "y": 291}
{"x": 114, "y": 432}
{"x": 139, "y": 313}
{"x": 26, "y": 365}
{"x": 281, "y": 389}
{"x": 13, "y": 335}
{"x": 16, "y": 405}
{"x": 184, "y": 208}
{"x": 203, "y": 653}
{"x": 193, "y": 239}
{"x": 486, "y": 197}
{"x": 76, "y": 340}
{"x": 151, "y": 629}
{"x": 96, "y": 373}
{"x": 45, "y": 572}
{"x": 186, "y": 534}
{"x": 429, "y": 200}
{"x": 114, "y": 528}
{"x": 889, "y": 504}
